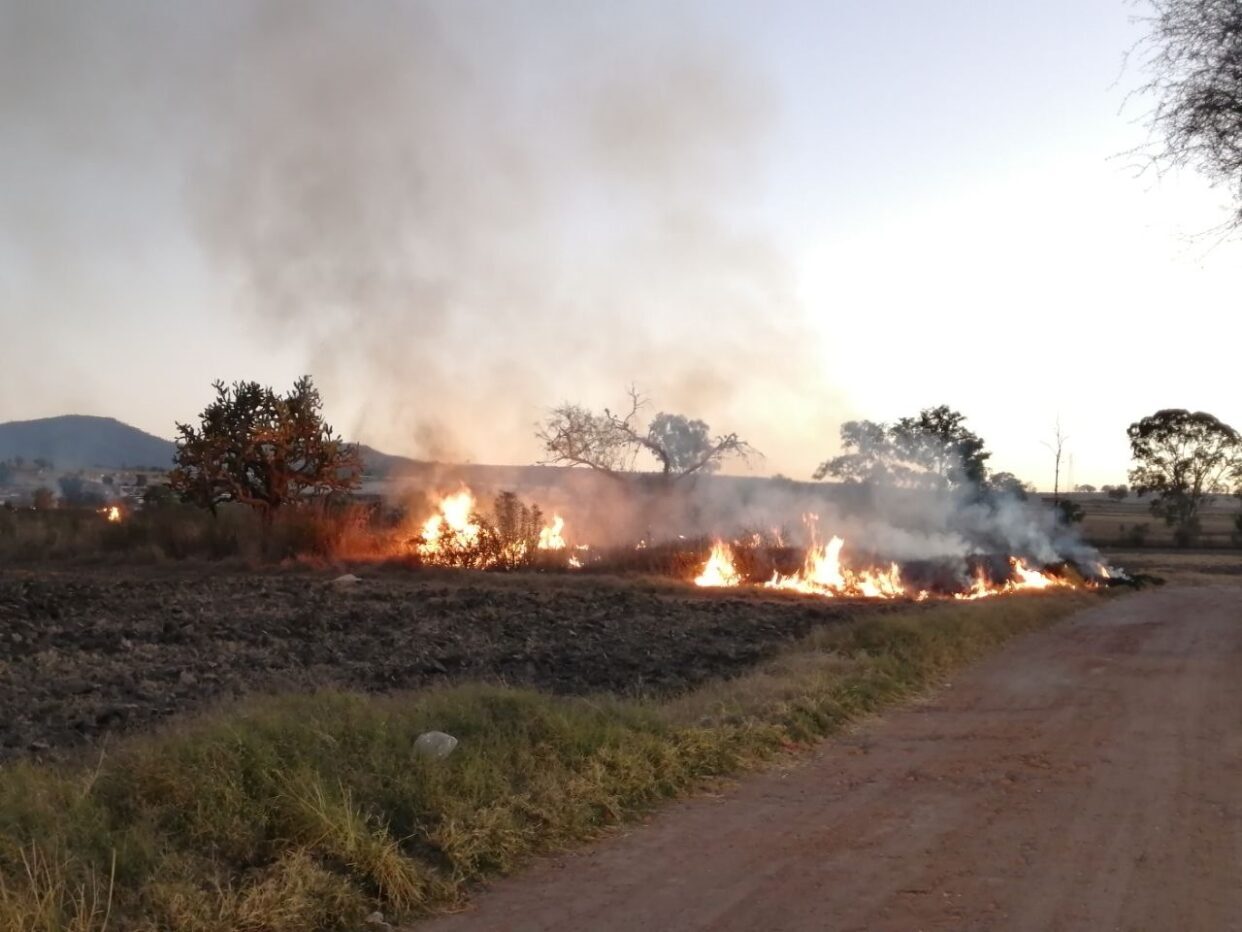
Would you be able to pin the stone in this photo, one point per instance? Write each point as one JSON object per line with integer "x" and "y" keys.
{"x": 435, "y": 745}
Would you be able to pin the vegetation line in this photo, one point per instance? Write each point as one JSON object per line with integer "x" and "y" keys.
{"x": 308, "y": 812}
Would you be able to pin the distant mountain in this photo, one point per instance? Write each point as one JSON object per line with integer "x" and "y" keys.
{"x": 74, "y": 441}
{"x": 382, "y": 465}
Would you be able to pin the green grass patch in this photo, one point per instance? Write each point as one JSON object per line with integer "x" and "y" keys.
{"x": 307, "y": 812}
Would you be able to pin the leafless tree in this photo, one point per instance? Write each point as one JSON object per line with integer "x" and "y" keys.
{"x": 613, "y": 442}
{"x": 1193, "y": 53}
{"x": 1057, "y": 446}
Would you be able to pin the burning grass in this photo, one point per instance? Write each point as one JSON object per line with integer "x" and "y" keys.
{"x": 306, "y": 812}
{"x": 452, "y": 529}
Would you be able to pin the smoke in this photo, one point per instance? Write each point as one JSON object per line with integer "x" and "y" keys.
{"x": 460, "y": 214}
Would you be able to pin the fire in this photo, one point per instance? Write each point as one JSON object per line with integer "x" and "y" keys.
{"x": 823, "y": 574}
{"x": 456, "y": 535}
{"x": 112, "y": 513}
{"x": 451, "y": 528}
{"x": 719, "y": 570}
{"x": 550, "y": 538}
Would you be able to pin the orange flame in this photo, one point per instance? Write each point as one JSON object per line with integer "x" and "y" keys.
{"x": 112, "y": 513}
{"x": 1024, "y": 579}
{"x": 823, "y": 574}
{"x": 550, "y": 538}
{"x": 719, "y": 570}
{"x": 450, "y": 528}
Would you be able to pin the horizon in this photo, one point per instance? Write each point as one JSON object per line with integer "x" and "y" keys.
{"x": 456, "y": 217}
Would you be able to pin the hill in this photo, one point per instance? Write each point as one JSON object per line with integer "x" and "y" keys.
{"x": 74, "y": 441}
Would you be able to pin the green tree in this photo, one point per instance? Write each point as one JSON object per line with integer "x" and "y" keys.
{"x": 1116, "y": 492}
{"x": 687, "y": 444}
{"x": 262, "y": 449}
{"x": 1069, "y": 512}
{"x": 158, "y": 496}
{"x": 1184, "y": 458}
{"x": 1009, "y": 484}
{"x": 933, "y": 449}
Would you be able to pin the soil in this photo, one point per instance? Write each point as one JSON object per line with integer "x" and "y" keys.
{"x": 1085, "y": 777}
{"x": 92, "y": 651}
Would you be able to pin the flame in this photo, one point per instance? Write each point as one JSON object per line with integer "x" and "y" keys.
{"x": 719, "y": 570}
{"x": 112, "y": 513}
{"x": 550, "y": 538}
{"x": 823, "y": 574}
{"x": 1024, "y": 578}
{"x": 451, "y": 528}
{"x": 453, "y": 536}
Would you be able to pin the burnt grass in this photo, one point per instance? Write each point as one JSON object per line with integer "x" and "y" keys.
{"x": 86, "y": 653}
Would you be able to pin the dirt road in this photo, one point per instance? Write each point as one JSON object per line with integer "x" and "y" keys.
{"x": 1088, "y": 777}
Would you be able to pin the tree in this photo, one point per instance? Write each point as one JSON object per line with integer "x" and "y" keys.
{"x": 1007, "y": 483}
{"x": 1184, "y": 458}
{"x": 1116, "y": 492}
{"x": 262, "y": 449}
{"x": 1069, "y": 512}
{"x": 6, "y": 472}
{"x": 687, "y": 444}
{"x": 158, "y": 496}
{"x": 1057, "y": 446}
{"x": 612, "y": 443}
{"x": 77, "y": 493}
{"x": 43, "y": 499}
{"x": 1085, "y": 488}
{"x": 932, "y": 450}
{"x": 1195, "y": 59}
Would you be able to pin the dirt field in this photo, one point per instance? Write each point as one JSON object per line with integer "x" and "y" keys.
{"x": 1083, "y": 778}
{"x": 1108, "y": 523}
{"x": 83, "y": 653}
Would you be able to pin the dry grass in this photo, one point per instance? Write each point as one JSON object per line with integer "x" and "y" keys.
{"x": 306, "y": 812}
{"x": 1130, "y": 523}
{"x": 1183, "y": 567}
{"x": 179, "y": 532}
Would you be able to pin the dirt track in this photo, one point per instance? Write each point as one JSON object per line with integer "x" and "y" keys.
{"x": 1088, "y": 778}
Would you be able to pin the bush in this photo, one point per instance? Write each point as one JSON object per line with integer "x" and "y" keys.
{"x": 1137, "y": 535}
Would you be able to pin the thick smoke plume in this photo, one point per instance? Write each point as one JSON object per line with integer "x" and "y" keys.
{"x": 465, "y": 212}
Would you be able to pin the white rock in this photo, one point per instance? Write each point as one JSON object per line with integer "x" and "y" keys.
{"x": 343, "y": 582}
{"x": 435, "y": 745}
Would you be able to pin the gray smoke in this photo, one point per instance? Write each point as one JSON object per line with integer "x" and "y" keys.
{"x": 465, "y": 212}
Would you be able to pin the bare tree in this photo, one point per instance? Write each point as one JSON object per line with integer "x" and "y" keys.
{"x": 613, "y": 442}
{"x": 1194, "y": 56}
{"x": 1057, "y": 446}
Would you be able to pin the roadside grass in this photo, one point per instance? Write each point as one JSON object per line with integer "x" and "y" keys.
{"x": 309, "y": 811}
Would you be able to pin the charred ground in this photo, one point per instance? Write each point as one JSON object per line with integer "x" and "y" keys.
{"x": 84, "y": 653}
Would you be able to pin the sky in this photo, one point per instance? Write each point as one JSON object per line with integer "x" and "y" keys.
{"x": 772, "y": 216}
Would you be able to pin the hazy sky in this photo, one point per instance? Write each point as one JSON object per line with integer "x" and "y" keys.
{"x": 773, "y": 216}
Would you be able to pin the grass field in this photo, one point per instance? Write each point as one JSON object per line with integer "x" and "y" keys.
{"x": 302, "y": 812}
